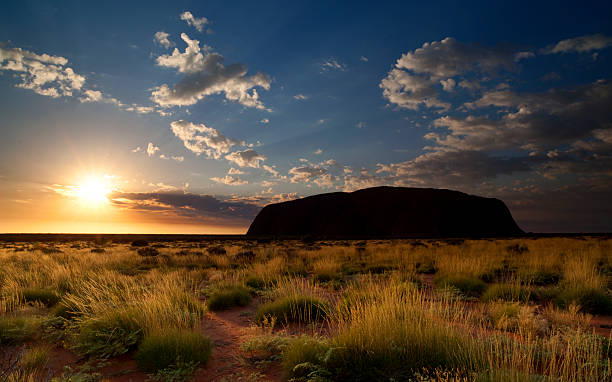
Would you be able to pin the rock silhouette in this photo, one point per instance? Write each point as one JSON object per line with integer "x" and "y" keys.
{"x": 387, "y": 212}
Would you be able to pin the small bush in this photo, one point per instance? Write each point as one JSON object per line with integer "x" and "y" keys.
{"x": 468, "y": 285}
{"x": 590, "y": 300}
{"x": 148, "y": 251}
{"x": 98, "y": 250}
{"x": 140, "y": 243}
{"x": 44, "y": 296}
{"x": 293, "y": 309}
{"x": 217, "y": 250}
{"x": 228, "y": 297}
{"x": 301, "y": 356}
{"x": 426, "y": 268}
{"x": 541, "y": 277}
{"x": 255, "y": 282}
{"x": 15, "y": 330}
{"x": 245, "y": 256}
{"x": 506, "y": 292}
{"x": 171, "y": 348}
{"x": 114, "y": 333}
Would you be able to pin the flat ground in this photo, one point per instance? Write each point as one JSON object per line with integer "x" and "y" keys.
{"x": 277, "y": 310}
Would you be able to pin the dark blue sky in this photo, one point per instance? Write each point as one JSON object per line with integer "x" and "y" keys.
{"x": 265, "y": 101}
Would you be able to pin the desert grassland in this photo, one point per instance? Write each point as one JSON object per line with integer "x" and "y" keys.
{"x": 388, "y": 310}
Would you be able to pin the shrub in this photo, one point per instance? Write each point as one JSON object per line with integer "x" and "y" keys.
{"x": 591, "y": 300}
{"x": 293, "y": 309}
{"x": 171, "y": 348}
{"x": 265, "y": 347}
{"x": 504, "y": 315}
{"x": 245, "y": 256}
{"x": 302, "y": 355}
{"x": 228, "y": 297}
{"x": 148, "y": 251}
{"x": 14, "y": 330}
{"x": 255, "y": 282}
{"x": 217, "y": 250}
{"x": 45, "y": 296}
{"x": 506, "y": 292}
{"x": 427, "y": 268}
{"x": 97, "y": 250}
{"x": 541, "y": 277}
{"x": 114, "y": 333}
{"x": 140, "y": 243}
{"x": 468, "y": 285}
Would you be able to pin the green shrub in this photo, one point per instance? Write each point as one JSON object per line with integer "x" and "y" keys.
{"x": 228, "y": 297}
{"x": 44, "y": 296}
{"x": 427, "y": 268}
{"x": 171, "y": 349}
{"x": 468, "y": 285}
{"x": 111, "y": 334}
{"x": 302, "y": 355}
{"x": 15, "y": 330}
{"x": 541, "y": 277}
{"x": 506, "y": 292}
{"x": 591, "y": 300}
{"x": 293, "y": 309}
{"x": 255, "y": 282}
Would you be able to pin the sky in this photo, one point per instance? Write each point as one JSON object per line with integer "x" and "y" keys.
{"x": 190, "y": 116}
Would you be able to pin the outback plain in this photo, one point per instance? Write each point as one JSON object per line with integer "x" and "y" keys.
{"x": 235, "y": 309}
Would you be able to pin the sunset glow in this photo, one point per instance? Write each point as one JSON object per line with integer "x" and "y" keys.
{"x": 197, "y": 114}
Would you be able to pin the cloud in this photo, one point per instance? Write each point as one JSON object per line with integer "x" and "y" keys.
{"x": 43, "y": 74}
{"x": 230, "y": 181}
{"x": 205, "y": 208}
{"x": 414, "y": 80}
{"x": 533, "y": 121}
{"x": 325, "y": 181}
{"x": 163, "y": 187}
{"x": 265, "y": 121}
{"x": 199, "y": 139}
{"x": 318, "y": 152}
{"x": 300, "y": 97}
{"x": 235, "y": 171}
{"x": 151, "y": 149}
{"x": 363, "y": 59}
{"x": 272, "y": 171}
{"x": 178, "y": 158}
{"x": 246, "y": 158}
{"x": 581, "y": 44}
{"x": 306, "y": 173}
{"x": 161, "y": 38}
{"x": 197, "y": 23}
{"x": 332, "y": 64}
{"x": 206, "y": 75}
{"x": 97, "y": 96}
{"x": 137, "y": 150}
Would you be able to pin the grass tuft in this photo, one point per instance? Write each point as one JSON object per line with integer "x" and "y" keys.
{"x": 171, "y": 349}
{"x": 296, "y": 308}
{"x": 228, "y": 297}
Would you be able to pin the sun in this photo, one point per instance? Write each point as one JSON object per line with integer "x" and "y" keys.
{"x": 93, "y": 191}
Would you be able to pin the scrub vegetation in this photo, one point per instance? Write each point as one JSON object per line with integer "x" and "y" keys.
{"x": 530, "y": 309}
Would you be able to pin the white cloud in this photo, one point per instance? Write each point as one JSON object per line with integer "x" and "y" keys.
{"x": 161, "y": 38}
{"x": 318, "y": 152}
{"x": 581, "y": 44}
{"x": 332, "y": 64}
{"x": 202, "y": 139}
{"x": 306, "y": 173}
{"x": 151, "y": 149}
{"x": 300, "y": 97}
{"x": 206, "y": 75}
{"x": 163, "y": 187}
{"x": 178, "y": 158}
{"x": 230, "y": 181}
{"x": 363, "y": 58}
{"x": 360, "y": 125}
{"x": 265, "y": 121}
{"x": 414, "y": 80}
{"x": 137, "y": 150}
{"x": 325, "y": 181}
{"x": 43, "y": 74}
{"x": 246, "y": 158}
{"x": 235, "y": 171}
{"x": 197, "y": 23}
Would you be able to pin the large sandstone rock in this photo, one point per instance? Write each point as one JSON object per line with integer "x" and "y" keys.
{"x": 387, "y": 212}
